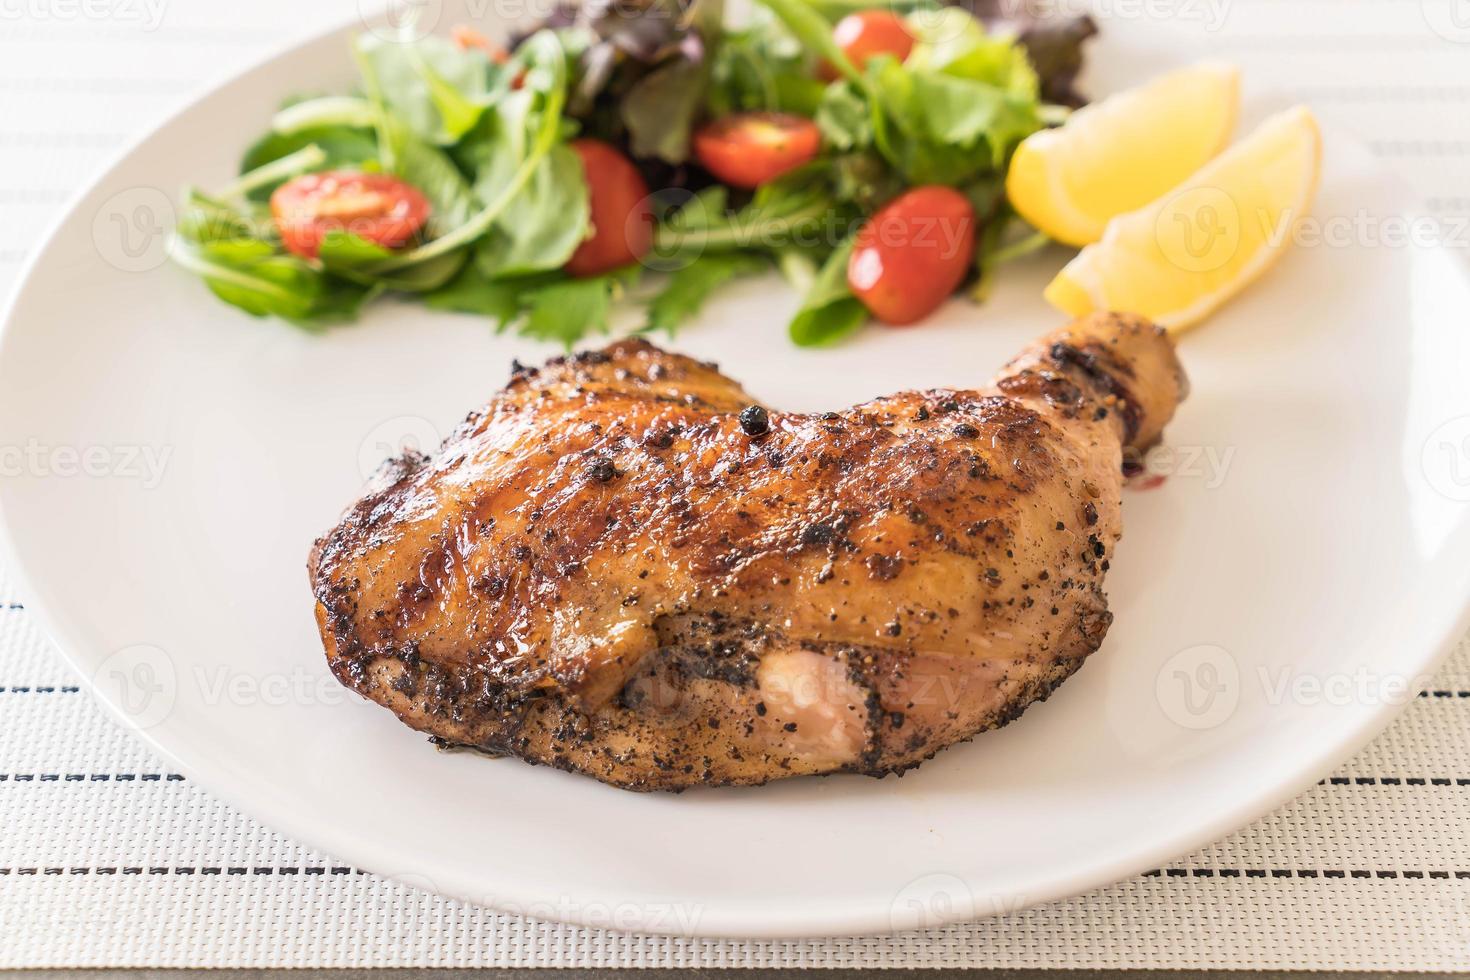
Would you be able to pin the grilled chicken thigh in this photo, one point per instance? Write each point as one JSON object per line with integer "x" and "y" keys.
{"x": 623, "y": 566}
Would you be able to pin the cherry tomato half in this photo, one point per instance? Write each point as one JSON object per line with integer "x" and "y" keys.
{"x": 379, "y": 208}
{"x": 867, "y": 33}
{"x": 750, "y": 148}
{"x": 913, "y": 253}
{"x": 622, "y": 218}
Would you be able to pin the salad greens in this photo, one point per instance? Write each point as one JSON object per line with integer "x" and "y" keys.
{"x": 486, "y": 140}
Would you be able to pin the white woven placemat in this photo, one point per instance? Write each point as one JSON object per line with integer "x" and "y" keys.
{"x": 109, "y": 859}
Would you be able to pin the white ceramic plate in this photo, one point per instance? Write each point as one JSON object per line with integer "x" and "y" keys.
{"x": 168, "y": 462}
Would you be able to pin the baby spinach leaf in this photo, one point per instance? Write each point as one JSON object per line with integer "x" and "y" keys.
{"x": 543, "y": 64}
{"x": 430, "y": 170}
{"x": 542, "y": 226}
{"x": 254, "y": 276}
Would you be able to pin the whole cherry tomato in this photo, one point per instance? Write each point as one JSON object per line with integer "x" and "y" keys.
{"x": 748, "y": 149}
{"x": 382, "y": 209}
{"x": 622, "y": 218}
{"x": 867, "y": 33}
{"x": 913, "y": 253}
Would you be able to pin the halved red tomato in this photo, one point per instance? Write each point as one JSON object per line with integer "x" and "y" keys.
{"x": 867, "y": 33}
{"x": 913, "y": 253}
{"x": 382, "y": 209}
{"x": 622, "y": 217}
{"x": 748, "y": 149}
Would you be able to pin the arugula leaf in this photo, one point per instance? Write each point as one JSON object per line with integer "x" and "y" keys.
{"x": 864, "y": 180}
{"x": 781, "y": 212}
{"x": 438, "y": 90}
{"x": 688, "y": 288}
{"x": 763, "y": 67}
{"x": 543, "y": 307}
{"x": 353, "y": 257}
{"x": 325, "y": 112}
{"x": 566, "y": 311}
{"x": 306, "y": 159}
{"x": 502, "y": 300}
{"x": 830, "y": 311}
{"x": 815, "y": 33}
{"x": 341, "y": 146}
{"x": 207, "y": 219}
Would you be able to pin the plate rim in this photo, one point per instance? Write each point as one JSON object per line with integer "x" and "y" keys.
{"x": 729, "y": 923}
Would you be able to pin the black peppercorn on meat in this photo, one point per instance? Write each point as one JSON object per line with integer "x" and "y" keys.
{"x": 624, "y": 567}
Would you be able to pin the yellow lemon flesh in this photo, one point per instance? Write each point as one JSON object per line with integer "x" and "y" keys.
{"x": 1180, "y": 257}
{"x": 1119, "y": 154}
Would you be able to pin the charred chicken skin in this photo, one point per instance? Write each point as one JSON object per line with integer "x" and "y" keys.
{"x": 625, "y": 567}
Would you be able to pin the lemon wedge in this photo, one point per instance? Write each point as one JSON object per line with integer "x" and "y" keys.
{"x": 1178, "y": 259}
{"x": 1119, "y": 154}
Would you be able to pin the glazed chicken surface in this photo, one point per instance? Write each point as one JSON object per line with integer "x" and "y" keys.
{"x": 623, "y": 566}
